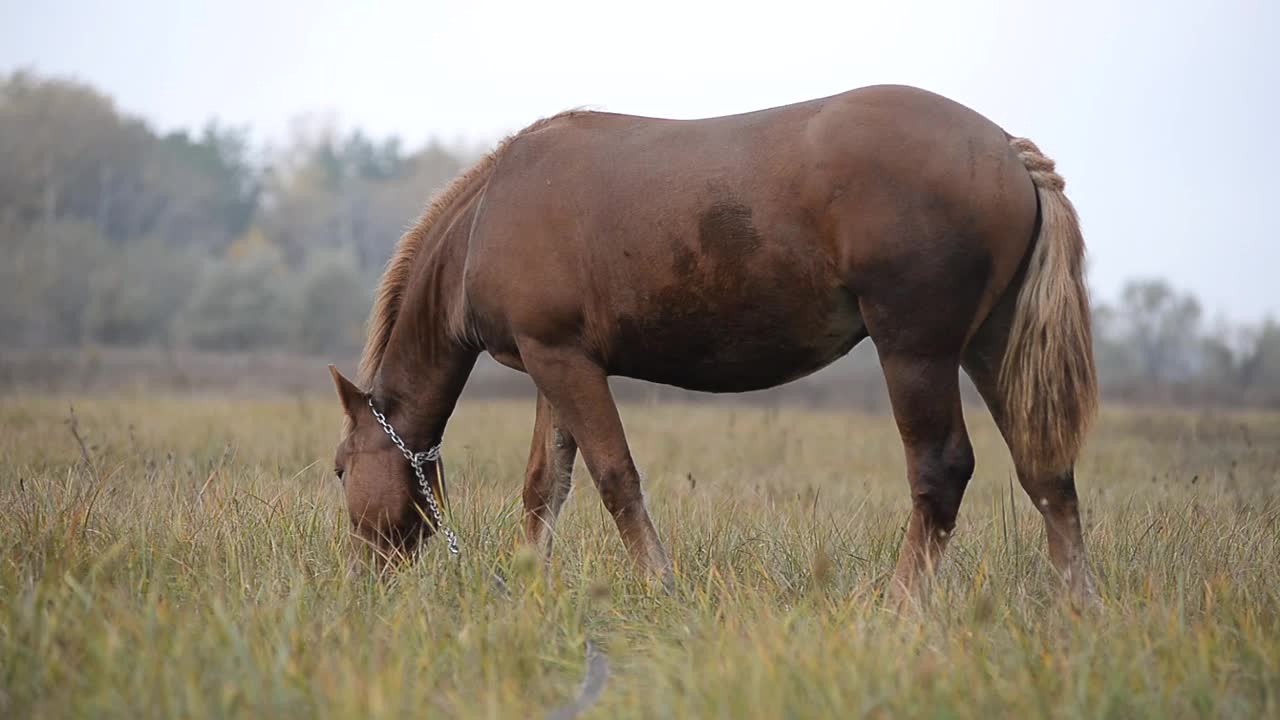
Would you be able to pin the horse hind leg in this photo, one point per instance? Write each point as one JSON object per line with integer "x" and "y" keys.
{"x": 918, "y": 315}
{"x": 925, "y": 395}
{"x": 1052, "y": 490}
{"x": 1032, "y": 360}
{"x": 549, "y": 476}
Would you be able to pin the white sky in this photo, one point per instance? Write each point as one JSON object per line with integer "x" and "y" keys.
{"x": 1163, "y": 116}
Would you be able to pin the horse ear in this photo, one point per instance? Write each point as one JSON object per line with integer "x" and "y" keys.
{"x": 348, "y": 394}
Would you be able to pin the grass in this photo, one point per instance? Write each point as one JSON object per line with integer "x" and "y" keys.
{"x": 194, "y": 566}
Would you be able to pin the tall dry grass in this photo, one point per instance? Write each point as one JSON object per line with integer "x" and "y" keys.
{"x": 194, "y": 566}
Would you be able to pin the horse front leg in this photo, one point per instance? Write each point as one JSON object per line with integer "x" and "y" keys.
{"x": 578, "y": 388}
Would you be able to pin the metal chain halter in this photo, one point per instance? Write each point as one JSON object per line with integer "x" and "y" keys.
{"x": 417, "y": 460}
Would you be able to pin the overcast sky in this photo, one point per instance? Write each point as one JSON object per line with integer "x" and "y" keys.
{"x": 1163, "y": 116}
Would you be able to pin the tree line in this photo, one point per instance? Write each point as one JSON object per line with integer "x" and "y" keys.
{"x": 116, "y": 234}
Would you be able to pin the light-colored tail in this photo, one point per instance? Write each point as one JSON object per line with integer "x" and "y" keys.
{"x": 1048, "y": 379}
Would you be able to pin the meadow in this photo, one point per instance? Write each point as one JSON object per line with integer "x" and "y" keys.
{"x": 185, "y": 556}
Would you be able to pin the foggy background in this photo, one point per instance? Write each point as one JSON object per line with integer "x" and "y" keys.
{"x": 202, "y": 195}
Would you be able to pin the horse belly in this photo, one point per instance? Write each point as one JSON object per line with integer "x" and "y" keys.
{"x": 759, "y": 340}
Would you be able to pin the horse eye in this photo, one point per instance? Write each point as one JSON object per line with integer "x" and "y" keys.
{"x": 339, "y": 473}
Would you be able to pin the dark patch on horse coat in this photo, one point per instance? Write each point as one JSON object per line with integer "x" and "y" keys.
{"x": 774, "y": 312}
{"x": 725, "y": 232}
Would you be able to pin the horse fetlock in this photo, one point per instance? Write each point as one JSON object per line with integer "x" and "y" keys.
{"x": 938, "y": 506}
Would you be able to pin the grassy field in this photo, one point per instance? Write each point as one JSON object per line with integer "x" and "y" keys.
{"x": 195, "y": 566}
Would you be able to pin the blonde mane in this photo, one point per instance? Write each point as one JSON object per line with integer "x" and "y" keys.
{"x": 391, "y": 288}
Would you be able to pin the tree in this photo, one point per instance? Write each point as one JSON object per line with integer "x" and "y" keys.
{"x": 330, "y": 301}
{"x": 62, "y": 147}
{"x": 67, "y": 154}
{"x": 1162, "y": 326}
{"x": 238, "y": 304}
{"x": 1260, "y": 369}
{"x": 330, "y": 191}
{"x": 43, "y": 291}
{"x": 222, "y": 186}
{"x": 136, "y": 293}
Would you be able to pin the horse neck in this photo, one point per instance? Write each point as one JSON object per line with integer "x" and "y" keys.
{"x": 427, "y": 360}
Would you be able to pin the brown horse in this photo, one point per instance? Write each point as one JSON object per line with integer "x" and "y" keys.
{"x": 733, "y": 254}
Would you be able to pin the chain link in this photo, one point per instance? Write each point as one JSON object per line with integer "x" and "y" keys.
{"x": 417, "y": 460}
